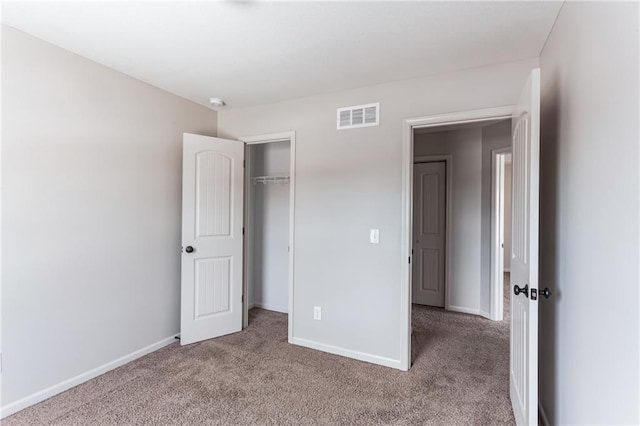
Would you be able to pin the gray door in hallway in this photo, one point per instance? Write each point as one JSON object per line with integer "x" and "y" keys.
{"x": 429, "y": 236}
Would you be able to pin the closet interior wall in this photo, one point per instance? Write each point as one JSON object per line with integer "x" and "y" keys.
{"x": 268, "y": 239}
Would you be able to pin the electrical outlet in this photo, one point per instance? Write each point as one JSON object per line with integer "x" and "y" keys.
{"x": 374, "y": 236}
{"x": 317, "y": 313}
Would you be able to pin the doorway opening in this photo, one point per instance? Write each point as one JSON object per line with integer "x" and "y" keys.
{"x": 460, "y": 177}
{"x": 524, "y": 140}
{"x": 458, "y": 209}
{"x": 500, "y": 229}
{"x": 465, "y": 242}
{"x": 268, "y": 224}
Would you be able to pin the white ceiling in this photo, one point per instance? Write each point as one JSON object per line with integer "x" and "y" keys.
{"x": 251, "y": 53}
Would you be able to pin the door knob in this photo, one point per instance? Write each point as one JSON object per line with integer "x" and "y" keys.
{"x": 546, "y": 293}
{"x": 189, "y": 249}
{"x": 517, "y": 290}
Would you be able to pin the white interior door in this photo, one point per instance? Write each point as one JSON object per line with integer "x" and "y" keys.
{"x": 429, "y": 233}
{"x": 524, "y": 254}
{"x": 212, "y": 220}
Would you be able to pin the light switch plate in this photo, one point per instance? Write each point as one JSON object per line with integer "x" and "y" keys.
{"x": 374, "y": 236}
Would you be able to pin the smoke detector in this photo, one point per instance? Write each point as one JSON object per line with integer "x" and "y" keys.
{"x": 216, "y": 102}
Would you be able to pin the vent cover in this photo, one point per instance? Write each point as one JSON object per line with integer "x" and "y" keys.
{"x": 358, "y": 116}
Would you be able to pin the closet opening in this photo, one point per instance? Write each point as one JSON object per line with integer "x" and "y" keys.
{"x": 268, "y": 225}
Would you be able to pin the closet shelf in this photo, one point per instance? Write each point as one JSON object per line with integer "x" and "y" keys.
{"x": 270, "y": 179}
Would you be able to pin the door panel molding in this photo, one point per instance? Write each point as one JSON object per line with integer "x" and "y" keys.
{"x": 211, "y": 264}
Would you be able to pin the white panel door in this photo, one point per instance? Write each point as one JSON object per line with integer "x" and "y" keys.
{"x": 523, "y": 375}
{"x": 212, "y": 219}
{"x": 429, "y": 237}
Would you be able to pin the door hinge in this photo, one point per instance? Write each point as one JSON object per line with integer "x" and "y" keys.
{"x": 242, "y": 231}
{"x": 243, "y": 299}
{"x": 243, "y": 163}
{"x": 409, "y": 259}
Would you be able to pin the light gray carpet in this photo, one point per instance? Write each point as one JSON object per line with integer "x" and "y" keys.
{"x": 459, "y": 377}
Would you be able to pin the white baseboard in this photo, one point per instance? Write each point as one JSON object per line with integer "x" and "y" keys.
{"x": 463, "y": 310}
{"x": 361, "y": 356}
{"x": 269, "y": 307}
{"x": 544, "y": 420}
{"x": 40, "y": 396}
{"x": 486, "y": 315}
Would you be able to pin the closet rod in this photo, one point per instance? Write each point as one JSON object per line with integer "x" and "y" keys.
{"x": 270, "y": 179}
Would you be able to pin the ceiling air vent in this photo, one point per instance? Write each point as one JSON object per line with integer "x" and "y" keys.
{"x": 358, "y": 116}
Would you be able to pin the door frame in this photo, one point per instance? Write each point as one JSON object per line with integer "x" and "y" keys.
{"x": 448, "y": 160}
{"x": 290, "y": 137}
{"x": 498, "y": 157}
{"x": 408, "y": 125}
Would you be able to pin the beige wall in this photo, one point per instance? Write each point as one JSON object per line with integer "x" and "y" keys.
{"x": 589, "y": 210}
{"x": 348, "y": 181}
{"x": 91, "y": 189}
